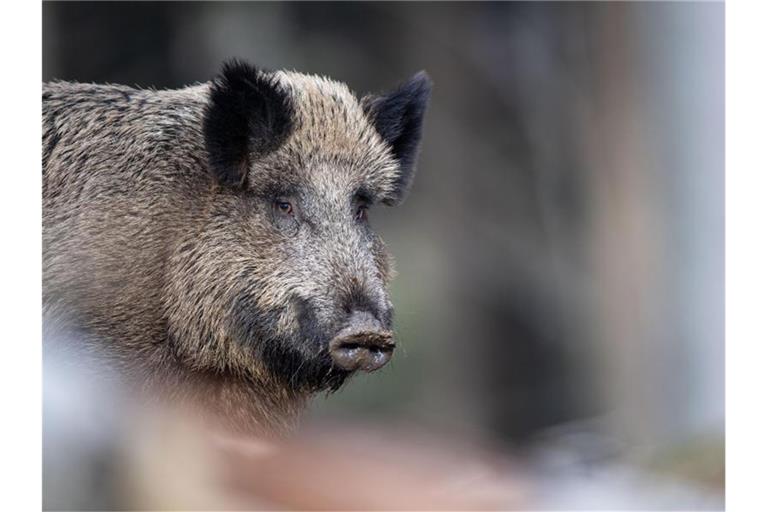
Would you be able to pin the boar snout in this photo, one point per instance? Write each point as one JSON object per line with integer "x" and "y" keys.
{"x": 364, "y": 344}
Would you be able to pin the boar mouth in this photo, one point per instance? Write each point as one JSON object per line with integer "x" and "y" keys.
{"x": 361, "y": 349}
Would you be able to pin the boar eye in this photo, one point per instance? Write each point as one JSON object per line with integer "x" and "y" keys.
{"x": 284, "y": 207}
{"x": 284, "y": 215}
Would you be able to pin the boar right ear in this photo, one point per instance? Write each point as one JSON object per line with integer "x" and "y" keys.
{"x": 398, "y": 117}
{"x": 247, "y": 114}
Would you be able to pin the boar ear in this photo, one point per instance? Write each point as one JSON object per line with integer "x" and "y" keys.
{"x": 247, "y": 114}
{"x": 398, "y": 117}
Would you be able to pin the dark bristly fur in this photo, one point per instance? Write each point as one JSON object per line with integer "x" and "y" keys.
{"x": 164, "y": 248}
{"x": 247, "y": 115}
{"x": 398, "y": 117}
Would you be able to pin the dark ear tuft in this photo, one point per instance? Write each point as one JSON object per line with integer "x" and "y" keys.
{"x": 398, "y": 117}
{"x": 247, "y": 114}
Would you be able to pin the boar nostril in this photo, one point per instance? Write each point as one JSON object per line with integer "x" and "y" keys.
{"x": 363, "y": 345}
{"x": 367, "y": 354}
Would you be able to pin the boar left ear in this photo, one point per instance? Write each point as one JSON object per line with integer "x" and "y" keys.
{"x": 398, "y": 117}
{"x": 247, "y": 114}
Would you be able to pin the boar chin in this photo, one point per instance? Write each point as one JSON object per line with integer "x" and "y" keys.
{"x": 298, "y": 359}
{"x": 298, "y": 370}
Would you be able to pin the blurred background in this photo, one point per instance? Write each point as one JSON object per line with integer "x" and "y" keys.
{"x": 561, "y": 292}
